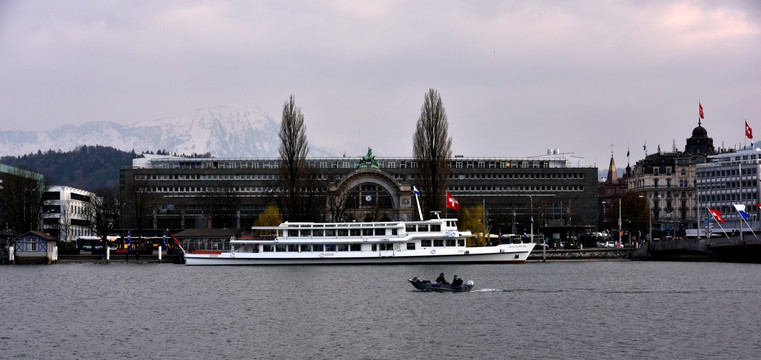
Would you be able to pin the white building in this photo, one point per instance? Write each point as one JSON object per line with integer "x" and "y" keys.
{"x": 67, "y": 212}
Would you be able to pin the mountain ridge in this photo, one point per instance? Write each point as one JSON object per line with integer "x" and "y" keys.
{"x": 222, "y": 131}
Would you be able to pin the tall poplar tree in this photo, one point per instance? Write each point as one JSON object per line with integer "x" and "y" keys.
{"x": 293, "y": 165}
{"x": 432, "y": 148}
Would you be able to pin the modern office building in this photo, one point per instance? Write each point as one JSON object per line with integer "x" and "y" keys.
{"x": 67, "y": 212}
{"x": 726, "y": 180}
{"x": 555, "y": 189}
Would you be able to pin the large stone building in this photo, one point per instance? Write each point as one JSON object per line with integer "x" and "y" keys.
{"x": 667, "y": 180}
{"x": 554, "y": 189}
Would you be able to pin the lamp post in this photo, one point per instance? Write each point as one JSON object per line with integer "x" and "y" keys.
{"x": 531, "y": 214}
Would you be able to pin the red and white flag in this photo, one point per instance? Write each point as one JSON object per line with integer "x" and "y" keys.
{"x": 700, "y": 110}
{"x": 716, "y": 214}
{"x": 748, "y": 131}
{"x": 452, "y": 203}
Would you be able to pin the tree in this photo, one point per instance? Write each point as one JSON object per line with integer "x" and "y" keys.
{"x": 270, "y": 217}
{"x": 336, "y": 199}
{"x": 104, "y": 212}
{"x": 295, "y": 188}
{"x": 222, "y": 205}
{"x": 432, "y": 148}
{"x": 635, "y": 214}
{"x": 138, "y": 203}
{"x": 473, "y": 220}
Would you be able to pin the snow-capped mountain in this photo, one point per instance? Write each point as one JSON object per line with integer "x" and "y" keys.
{"x": 223, "y": 131}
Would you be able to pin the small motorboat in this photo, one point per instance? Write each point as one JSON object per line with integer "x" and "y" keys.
{"x": 427, "y": 285}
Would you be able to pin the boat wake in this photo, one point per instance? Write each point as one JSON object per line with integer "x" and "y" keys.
{"x": 490, "y": 290}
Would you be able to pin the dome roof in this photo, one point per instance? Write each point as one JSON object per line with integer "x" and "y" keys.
{"x": 699, "y": 132}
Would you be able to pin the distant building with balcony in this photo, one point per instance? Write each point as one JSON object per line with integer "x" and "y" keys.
{"x": 67, "y": 212}
{"x": 667, "y": 180}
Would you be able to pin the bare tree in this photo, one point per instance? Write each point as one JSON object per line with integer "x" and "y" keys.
{"x": 222, "y": 205}
{"x": 336, "y": 199}
{"x": 104, "y": 212}
{"x": 138, "y": 202}
{"x": 432, "y": 148}
{"x": 293, "y": 165}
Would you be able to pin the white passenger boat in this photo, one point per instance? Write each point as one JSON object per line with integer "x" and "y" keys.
{"x": 394, "y": 242}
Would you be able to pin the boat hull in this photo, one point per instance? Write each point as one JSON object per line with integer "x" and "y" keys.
{"x": 426, "y": 285}
{"x": 506, "y": 254}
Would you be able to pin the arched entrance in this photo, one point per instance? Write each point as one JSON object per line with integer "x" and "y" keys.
{"x": 372, "y": 195}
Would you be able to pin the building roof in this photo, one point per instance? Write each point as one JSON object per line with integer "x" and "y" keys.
{"x": 37, "y": 234}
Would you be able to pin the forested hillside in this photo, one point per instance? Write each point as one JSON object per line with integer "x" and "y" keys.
{"x": 88, "y": 167}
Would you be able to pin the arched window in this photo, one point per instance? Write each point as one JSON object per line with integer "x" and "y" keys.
{"x": 368, "y": 196}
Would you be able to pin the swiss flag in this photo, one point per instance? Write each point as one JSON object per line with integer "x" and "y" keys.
{"x": 716, "y": 214}
{"x": 700, "y": 110}
{"x": 452, "y": 203}
{"x": 748, "y": 131}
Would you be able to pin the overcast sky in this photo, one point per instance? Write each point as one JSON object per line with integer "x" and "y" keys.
{"x": 516, "y": 77}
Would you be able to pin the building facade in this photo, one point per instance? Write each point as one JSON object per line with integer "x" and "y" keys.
{"x": 20, "y": 199}
{"x": 67, "y": 212}
{"x": 553, "y": 189}
{"x": 667, "y": 180}
{"x": 726, "y": 180}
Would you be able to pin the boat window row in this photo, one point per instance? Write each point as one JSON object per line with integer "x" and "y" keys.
{"x": 337, "y": 232}
{"x": 329, "y": 247}
{"x": 423, "y": 227}
{"x": 441, "y": 242}
{"x": 353, "y": 247}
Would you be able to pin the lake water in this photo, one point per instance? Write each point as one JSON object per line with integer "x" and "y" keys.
{"x": 554, "y": 310}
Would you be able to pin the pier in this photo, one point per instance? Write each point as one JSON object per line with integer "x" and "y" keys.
{"x": 581, "y": 254}
{"x": 724, "y": 249}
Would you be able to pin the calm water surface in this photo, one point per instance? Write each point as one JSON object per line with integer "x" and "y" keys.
{"x": 561, "y": 310}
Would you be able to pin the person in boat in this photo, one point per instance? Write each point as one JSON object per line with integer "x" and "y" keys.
{"x": 441, "y": 279}
{"x": 456, "y": 281}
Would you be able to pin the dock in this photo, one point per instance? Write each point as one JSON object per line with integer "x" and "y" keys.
{"x": 589, "y": 254}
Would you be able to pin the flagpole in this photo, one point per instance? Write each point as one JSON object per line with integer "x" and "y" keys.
{"x": 417, "y": 201}
{"x": 719, "y": 223}
{"x": 740, "y": 176}
{"x": 749, "y": 227}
